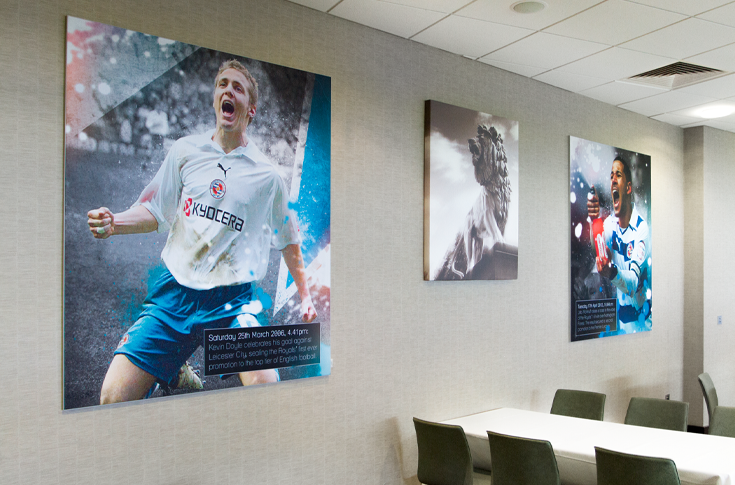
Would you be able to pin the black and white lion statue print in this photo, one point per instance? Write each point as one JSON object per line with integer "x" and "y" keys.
{"x": 484, "y": 225}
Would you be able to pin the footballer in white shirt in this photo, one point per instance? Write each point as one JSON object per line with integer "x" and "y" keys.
{"x": 224, "y": 205}
{"x": 628, "y": 250}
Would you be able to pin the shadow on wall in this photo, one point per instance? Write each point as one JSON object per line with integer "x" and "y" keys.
{"x": 535, "y": 401}
{"x": 395, "y": 462}
{"x": 401, "y": 459}
{"x": 619, "y": 391}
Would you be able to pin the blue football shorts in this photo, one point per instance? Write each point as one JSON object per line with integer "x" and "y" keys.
{"x": 171, "y": 326}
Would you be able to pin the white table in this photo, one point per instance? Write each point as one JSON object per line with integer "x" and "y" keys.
{"x": 700, "y": 459}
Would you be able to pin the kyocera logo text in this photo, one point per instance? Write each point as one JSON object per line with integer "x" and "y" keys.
{"x": 213, "y": 214}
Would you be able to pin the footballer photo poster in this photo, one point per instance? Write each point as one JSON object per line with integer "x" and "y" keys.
{"x": 470, "y": 195}
{"x": 610, "y": 206}
{"x": 143, "y": 116}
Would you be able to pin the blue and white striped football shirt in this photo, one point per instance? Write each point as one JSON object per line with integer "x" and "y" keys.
{"x": 631, "y": 254}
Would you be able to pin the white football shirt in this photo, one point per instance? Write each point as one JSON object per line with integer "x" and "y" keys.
{"x": 223, "y": 212}
{"x": 631, "y": 253}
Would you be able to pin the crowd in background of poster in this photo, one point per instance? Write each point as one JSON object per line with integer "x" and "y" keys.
{"x": 129, "y": 97}
{"x": 470, "y": 195}
{"x": 610, "y": 205}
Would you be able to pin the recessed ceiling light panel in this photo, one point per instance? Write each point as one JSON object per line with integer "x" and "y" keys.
{"x": 716, "y": 111}
{"x": 528, "y": 6}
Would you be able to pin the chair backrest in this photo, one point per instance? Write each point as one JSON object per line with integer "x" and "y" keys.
{"x": 657, "y": 413}
{"x": 723, "y": 422}
{"x": 444, "y": 455}
{"x": 579, "y": 404}
{"x": 522, "y": 461}
{"x": 616, "y": 468}
{"x": 710, "y": 394}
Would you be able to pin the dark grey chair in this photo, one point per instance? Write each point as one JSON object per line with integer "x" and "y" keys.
{"x": 723, "y": 422}
{"x": 616, "y": 468}
{"x": 444, "y": 455}
{"x": 522, "y": 461}
{"x": 657, "y": 413}
{"x": 579, "y": 404}
{"x": 710, "y": 394}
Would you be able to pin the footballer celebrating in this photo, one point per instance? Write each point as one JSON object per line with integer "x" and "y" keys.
{"x": 627, "y": 251}
{"x": 224, "y": 205}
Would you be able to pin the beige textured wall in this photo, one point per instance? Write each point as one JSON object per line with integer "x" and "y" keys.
{"x": 402, "y": 347}
{"x": 693, "y": 273}
{"x": 719, "y": 200}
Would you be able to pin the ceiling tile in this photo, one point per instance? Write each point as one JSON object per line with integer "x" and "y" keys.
{"x": 722, "y": 87}
{"x": 675, "y": 120}
{"x": 322, "y": 5}
{"x": 701, "y": 36}
{"x": 665, "y": 103}
{"x": 697, "y": 123}
{"x": 687, "y": 7}
{"x": 714, "y": 124}
{"x": 389, "y": 17}
{"x": 470, "y": 37}
{"x": 723, "y": 15}
{"x": 695, "y": 111}
{"x": 616, "y": 93}
{"x": 731, "y": 102}
{"x": 570, "y": 82}
{"x": 444, "y": 6}
{"x": 545, "y": 50}
{"x": 614, "y": 22}
{"x": 616, "y": 63}
{"x": 574, "y": 50}
{"x": 499, "y": 11}
{"x": 722, "y": 58}
{"x": 727, "y": 119}
{"x": 527, "y": 71}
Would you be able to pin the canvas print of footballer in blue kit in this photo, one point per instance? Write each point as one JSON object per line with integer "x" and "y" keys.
{"x": 610, "y": 201}
{"x": 197, "y": 200}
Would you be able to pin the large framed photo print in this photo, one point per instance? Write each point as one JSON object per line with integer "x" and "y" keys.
{"x": 470, "y": 195}
{"x": 196, "y": 219}
{"x": 610, "y": 205}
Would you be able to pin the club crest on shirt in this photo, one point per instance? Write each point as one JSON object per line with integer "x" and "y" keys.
{"x": 217, "y": 188}
{"x": 124, "y": 340}
{"x": 640, "y": 251}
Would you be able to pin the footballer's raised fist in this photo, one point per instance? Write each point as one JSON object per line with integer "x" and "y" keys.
{"x": 593, "y": 204}
{"x": 101, "y": 223}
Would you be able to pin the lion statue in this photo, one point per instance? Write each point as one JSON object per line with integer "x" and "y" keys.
{"x": 484, "y": 225}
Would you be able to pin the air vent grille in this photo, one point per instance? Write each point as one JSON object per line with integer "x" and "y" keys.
{"x": 676, "y": 75}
